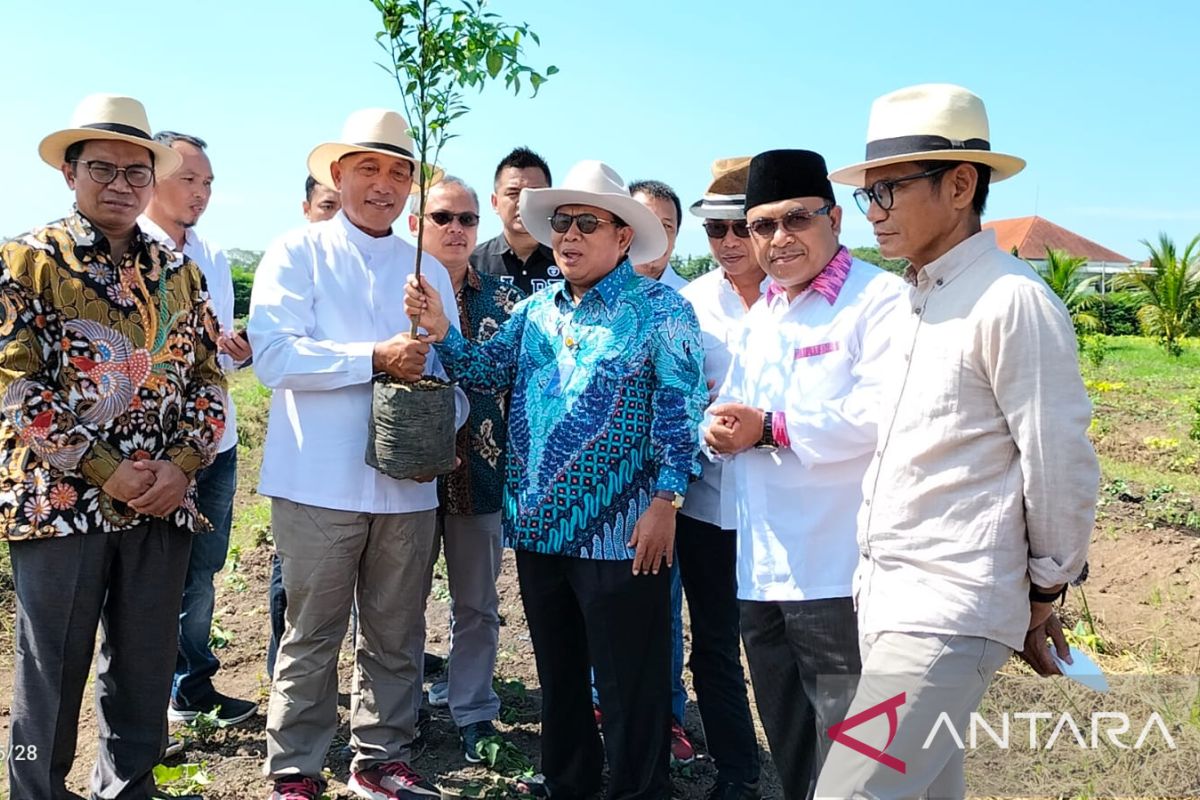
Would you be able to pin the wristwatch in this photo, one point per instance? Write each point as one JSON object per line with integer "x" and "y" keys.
{"x": 674, "y": 498}
{"x": 767, "y": 440}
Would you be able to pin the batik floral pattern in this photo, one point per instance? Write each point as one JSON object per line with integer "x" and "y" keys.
{"x": 99, "y": 363}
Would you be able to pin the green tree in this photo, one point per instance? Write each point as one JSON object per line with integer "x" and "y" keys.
{"x": 1063, "y": 273}
{"x": 436, "y": 49}
{"x": 1169, "y": 290}
{"x": 692, "y": 267}
{"x": 871, "y": 255}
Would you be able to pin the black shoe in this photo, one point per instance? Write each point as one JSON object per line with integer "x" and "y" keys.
{"x": 729, "y": 790}
{"x": 434, "y": 664}
{"x": 472, "y": 736}
{"x": 229, "y": 710}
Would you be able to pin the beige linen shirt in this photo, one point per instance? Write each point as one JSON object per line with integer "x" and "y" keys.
{"x": 984, "y": 477}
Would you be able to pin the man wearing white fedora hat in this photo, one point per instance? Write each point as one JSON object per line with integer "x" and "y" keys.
{"x": 608, "y": 390}
{"x": 112, "y": 401}
{"x": 980, "y": 500}
{"x": 323, "y": 320}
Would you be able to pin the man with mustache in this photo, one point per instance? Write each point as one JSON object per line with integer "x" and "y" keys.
{"x": 179, "y": 201}
{"x": 469, "y": 498}
{"x": 606, "y": 373}
{"x": 796, "y": 413}
{"x": 323, "y": 321}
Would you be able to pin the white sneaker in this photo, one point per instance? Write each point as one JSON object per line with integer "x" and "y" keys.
{"x": 439, "y": 694}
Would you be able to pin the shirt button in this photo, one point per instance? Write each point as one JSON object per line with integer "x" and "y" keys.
{"x": 906, "y": 356}
{"x": 879, "y": 454}
{"x": 917, "y": 310}
{"x": 867, "y": 502}
{"x": 940, "y": 281}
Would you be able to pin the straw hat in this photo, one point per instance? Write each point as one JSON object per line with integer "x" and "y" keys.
{"x": 369, "y": 130}
{"x": 725, "y": 196}
{"x": 594, "y": 183}
{"x": 930, "y": 122}
{"x": 111, "y": 117}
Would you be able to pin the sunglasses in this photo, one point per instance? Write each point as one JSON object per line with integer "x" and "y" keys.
{"x": 102, "y": 172}
{"x": 717, "y": 229}
{"x": 468, "y": 219}
{"x": 587, "y": 223}
{"x": 794, "y": 221}
{"x": 883, "y": 193}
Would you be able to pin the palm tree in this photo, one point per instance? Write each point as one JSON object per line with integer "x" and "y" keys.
{"x": 1062, "y": 273}
{"x": 1169, "y": 290}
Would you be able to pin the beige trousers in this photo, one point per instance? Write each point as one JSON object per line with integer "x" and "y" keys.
{"x": 329, "y": 559}
{"x": 937, "y": 674}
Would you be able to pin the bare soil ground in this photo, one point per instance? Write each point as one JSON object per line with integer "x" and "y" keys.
{"x": 1143, "y": 595}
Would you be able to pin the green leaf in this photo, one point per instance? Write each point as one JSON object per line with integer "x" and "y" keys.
{"x": 551, "y": 70}
{"x": 495, "y": 61}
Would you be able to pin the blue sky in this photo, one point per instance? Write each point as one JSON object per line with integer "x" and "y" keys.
{"x": 1097, "y": 96}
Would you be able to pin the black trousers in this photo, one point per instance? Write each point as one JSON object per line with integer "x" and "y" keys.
{"x": 803, "y": 660}
{"x": 585, "y": 612}
{"x": 708, "y": 567}
{"x": 131, "y": 584}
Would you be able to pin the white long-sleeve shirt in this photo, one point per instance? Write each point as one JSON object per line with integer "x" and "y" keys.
{"x": 985, "y": 477}
{"x": 323, "y": 296}
{"x": 822, "y": 364}
{"x": 219, "y": 278}
{"x": 720, "y": 312}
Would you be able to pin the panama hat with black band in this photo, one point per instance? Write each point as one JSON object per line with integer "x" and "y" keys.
{"x": 929, "y": 122}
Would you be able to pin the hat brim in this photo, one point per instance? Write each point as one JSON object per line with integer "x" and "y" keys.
{"x": 324, "y": 156}
{"x": 53, "y": 149}
{"x": 649, "y": 238}
{"x": 1003, "y": 166}
{"x": 711, "y": 208}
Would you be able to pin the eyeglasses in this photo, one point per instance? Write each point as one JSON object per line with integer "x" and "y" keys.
{"x": 587, "y": 223}
{"x": 794, "y": 221}
{"x": 883, "y": 193}
{"x": 468, "y": 219}
{"x": 102, "y": 172}
{"x": 716, "y": 229}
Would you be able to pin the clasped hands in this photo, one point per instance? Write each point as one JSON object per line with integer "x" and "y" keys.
{"x": 155, "y": 488}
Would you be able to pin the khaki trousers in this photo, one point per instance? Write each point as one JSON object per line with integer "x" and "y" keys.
{"x": 330, "y": 558}
{"x": 938, "y": 674}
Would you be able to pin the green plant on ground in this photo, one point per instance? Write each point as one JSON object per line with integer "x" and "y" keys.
{"x": 504, "y": 757}
{"x": 1194, "y": 431}
{"x": 1169, "y": 290}
{"x": 205, "y": 725}
{"x": 1095, "y": 348}
{"x": 183, "y": 779}
{"x": 218, "y": 637}
{"x": 233, "y": 562}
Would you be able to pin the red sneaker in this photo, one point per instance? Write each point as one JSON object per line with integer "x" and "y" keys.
{"x": 394, "y": 780}
{"x": 682, "y": 751}
{"x": 296, "y": 787}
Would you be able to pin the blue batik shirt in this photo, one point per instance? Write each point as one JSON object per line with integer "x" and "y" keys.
{"x": 607, "y": 398}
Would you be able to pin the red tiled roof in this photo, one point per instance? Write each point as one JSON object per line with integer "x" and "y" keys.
{"x": 1032, "y": 235}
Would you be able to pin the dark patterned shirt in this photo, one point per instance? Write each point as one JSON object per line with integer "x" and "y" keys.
{"x": 495, "y": 257}
{"x": 99, "y": 363}
{"x": 607, "y": 397}
{"x": 484, "y": 303}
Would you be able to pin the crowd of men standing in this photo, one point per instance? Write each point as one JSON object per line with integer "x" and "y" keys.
{"x": 874, "y": 484}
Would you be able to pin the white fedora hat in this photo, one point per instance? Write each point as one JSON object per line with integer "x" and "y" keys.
{"x": 930, "y": 122}
{"x": 112, "y": 117}
{"x": 594, "y": 183}
{"x": 368, "y": 130}
{"x": 726, "y": 195}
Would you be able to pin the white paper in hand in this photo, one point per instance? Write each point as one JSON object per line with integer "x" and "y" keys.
{"x": 1083, "y": 670}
